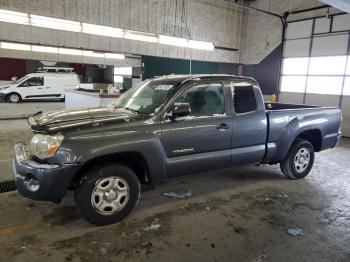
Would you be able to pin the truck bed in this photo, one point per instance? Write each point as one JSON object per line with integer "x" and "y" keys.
{"x": 282, "y": 106}
{"x": 287, "y": 121}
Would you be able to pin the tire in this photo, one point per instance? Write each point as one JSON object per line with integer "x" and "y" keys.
{"x": 13, "y": 98}
{"x": 98, "y": 198}
{"x": 299, "y": 160}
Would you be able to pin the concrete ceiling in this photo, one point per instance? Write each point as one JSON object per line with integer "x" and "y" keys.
{"x": 343, "y": 5}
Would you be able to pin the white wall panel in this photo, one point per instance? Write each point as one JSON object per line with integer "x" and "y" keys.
{"x": 297, "y": 48}
{"x": 322, "y": 100}
{"x": 330, "y": 45}
{"x": 345, "y": 108}
{"x": 291, "y": 98}
{"x": 322, "y": 25}
{"x": 341, "y": 22}
{"x": 346, "y": 89}
{"x": 299, "y": 29}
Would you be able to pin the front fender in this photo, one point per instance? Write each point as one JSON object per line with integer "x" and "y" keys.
{"x": 83, "y": 148}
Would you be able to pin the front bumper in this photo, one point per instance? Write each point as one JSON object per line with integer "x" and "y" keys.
{"x": 2, "y": 96}
{"x": 41, "y": 181}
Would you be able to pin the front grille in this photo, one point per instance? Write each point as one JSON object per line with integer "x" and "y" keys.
{"x": 7, "y": 186}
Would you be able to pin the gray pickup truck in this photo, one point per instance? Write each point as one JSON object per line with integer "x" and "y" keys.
{"x": 164, "y": 128}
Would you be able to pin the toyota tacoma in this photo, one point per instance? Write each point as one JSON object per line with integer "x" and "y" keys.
{"x": 163, "y": 128}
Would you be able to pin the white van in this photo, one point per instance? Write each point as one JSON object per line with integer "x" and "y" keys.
{"x": 41, "y": 85}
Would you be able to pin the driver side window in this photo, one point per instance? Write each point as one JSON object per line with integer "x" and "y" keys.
{"x": 33, "y": 81}
{"x": 204, "y": 100}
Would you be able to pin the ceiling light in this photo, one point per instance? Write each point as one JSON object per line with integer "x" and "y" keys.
{"x": 45, "y": 49}
{"x": 15, "y": 46}
{"x": 54, "y": 23}
{"x": 140, "y": 36}
{"x": 13, "y": 17}
{"x": 170, "y": 40}
{"x": 102, "y": 30}
{"x": 68, "y": 51}
{"x": 114, "y": 56}
{"x": 93, "y": 54}
{"x": 201, "y": 45}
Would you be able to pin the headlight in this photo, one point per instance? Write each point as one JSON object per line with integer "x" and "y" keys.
{"x": 44, "y": 146}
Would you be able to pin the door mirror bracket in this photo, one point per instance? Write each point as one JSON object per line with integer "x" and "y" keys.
{"x": 179, "y": 110}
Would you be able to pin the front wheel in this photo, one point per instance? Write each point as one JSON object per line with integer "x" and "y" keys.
{"x": 107, "y": 194}
{"x": 299, "y": 160}
{"x": 13, "y": 98}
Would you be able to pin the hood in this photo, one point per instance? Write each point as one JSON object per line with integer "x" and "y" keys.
{"x": 66, "y": 119}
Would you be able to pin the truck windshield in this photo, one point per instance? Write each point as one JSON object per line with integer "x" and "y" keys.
{"x": 147, "y": 97}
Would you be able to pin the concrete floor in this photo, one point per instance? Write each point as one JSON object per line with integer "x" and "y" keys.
{"x": 234, "y": 215}
{"x": 8, "y": 110}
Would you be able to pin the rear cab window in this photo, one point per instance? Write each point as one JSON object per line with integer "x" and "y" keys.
{"x": 243, "y": 95}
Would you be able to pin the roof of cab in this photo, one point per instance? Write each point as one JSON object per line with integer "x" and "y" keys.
{"x": 184, "y": 77}
{"x": 51, "y": 73}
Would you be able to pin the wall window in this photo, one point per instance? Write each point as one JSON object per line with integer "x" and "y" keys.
{"x": 294, "y": 84}
{"x": 320, "y": 75}
{"x": 327, "y": 65}
{"x": 295, "y": 66}
{"x": 120, "y": 72}
{"x": 118, "y": 79}
{"x": 124, "y": 71}
{"x": 326, "y": 85}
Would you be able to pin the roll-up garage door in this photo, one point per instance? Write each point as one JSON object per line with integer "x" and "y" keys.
{"x": 316, "y": 64}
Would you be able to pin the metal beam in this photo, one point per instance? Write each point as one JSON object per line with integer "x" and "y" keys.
{"x": 256, "y": 9}
{"x": 309, "y": 9}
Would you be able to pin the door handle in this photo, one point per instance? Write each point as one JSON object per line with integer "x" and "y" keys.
{"x": 222, "y": 127}
{"x": 48, "y": 87}
{"x": 40, "y": 88}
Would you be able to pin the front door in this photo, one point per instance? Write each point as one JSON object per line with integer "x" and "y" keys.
{"x": 200, "y": 141}
{"x": 32, "y": 88}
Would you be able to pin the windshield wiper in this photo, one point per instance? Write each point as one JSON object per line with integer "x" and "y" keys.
{"x": 132, "y": 110}
{"x": 139, "y": 112}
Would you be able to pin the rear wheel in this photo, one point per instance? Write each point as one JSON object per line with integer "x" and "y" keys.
{"x": 299, "y": 160}
{"x": 107, "y": 194}
{"x": 13, "y": 98}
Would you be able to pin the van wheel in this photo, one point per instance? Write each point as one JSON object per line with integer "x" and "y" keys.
{"x": 299, "y": 160}
{"x": 13, "y": 98}
{"x": 107, "y": 194}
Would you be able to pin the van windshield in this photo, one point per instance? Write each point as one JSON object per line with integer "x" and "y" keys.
{"x": 148, "y": 97}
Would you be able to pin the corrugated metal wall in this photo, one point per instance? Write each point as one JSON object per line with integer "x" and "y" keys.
{"x": 213, "y": 21}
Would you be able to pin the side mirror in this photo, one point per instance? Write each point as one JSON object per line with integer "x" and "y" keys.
{"x": 180, "y": 110}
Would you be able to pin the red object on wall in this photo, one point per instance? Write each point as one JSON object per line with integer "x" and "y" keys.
{"x": 10, "y": 67}
{"x": 79, "y": 69}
